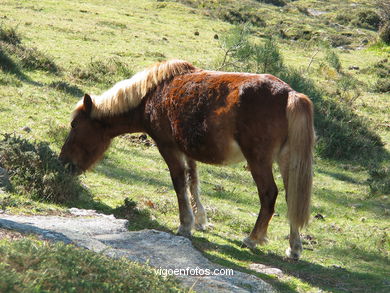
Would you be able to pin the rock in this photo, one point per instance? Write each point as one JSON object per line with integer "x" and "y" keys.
{"x": 167, "y": 253}
{"x": 260, "y": 268}
{"x": 26, "y": 129}
{"x": 216, "y": 37}
{"x": 314, "y": 12}
{"x": 353, "y": 67}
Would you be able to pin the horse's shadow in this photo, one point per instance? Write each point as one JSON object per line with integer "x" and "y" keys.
{"x": 327, "y": 278}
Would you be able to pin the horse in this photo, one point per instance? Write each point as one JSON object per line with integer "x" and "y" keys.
{"x": 213, "y": 117}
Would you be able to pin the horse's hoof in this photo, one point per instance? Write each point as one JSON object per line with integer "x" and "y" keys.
{"x": 184, "y": 232}
{"x": 201, "y": 227}
{"x": 248, "y": 243}
{"x": 293, "y": 254}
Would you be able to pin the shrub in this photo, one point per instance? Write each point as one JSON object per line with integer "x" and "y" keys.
{"x": 242, "y": 15}
{"x": 367, "y": 19}
{"x": 33, "y": 59}
{"x": 333, "y": 60}
{"x": 267, "y": 57}
{"x": 9, "y": 35}
{"x": 274, "y": 2}
{"x": 384, "y": 32}
{"x": 35, "y": 170}
{"x": 27, "y": 57}
{"x": 382, "y": 85}
{"x": 107, "y": 71}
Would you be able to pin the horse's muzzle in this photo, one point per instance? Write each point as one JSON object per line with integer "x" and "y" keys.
{"x": 69, "y": 165}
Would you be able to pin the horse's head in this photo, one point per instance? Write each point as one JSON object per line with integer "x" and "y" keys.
{"x": 87, "y": 140}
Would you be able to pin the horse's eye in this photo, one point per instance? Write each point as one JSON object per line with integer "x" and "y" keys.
{"x": 73, "y": 124}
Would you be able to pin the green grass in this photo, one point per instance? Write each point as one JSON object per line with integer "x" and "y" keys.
{"x": 30, "y": 265}
{"x": 347, "y": 251}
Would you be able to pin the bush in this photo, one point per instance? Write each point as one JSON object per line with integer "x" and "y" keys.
{"x": 27, "y": 57}
{"x": 382, "y": 85}
{"x": 267, "y": 57}
{"x": 367, "y": 19}
{"x": 9, "y": 35}
{"x": 333, "y": 60}
{"x": 384, "y": 32}
{"x": 274, "y": 2}
{"x": 242, "y": 15}
{"x": 108, "y": 71}
{"x": 35, "y": 170}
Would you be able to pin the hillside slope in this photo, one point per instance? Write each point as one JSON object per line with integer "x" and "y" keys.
{"x": 54, "y": 51}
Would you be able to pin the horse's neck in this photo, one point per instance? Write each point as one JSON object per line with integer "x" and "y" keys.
{"x": 128, "y": 122}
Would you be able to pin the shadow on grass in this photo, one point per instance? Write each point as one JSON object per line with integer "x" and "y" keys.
{"x": 327, "y": 278}
{"x": 135, "y": 176}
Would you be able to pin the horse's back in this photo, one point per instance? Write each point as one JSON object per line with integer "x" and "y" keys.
{"x": 209, "y": 113}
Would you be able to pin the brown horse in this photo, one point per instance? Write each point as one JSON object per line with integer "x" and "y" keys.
{"x": 211, "y": 117}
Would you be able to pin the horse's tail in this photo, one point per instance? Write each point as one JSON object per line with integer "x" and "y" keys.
{"x": 300, "y": 143}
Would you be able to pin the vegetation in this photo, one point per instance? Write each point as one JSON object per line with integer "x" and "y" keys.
{"x": 36, "y": 172}
{"x": 26, "y": 265}
{"x": 319, "y": 47}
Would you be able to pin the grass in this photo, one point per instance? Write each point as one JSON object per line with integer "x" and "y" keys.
{"x": 346, "y": 251}
{"x": 27, "y": 266}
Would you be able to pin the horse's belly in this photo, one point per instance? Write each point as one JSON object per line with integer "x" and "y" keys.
{"x": 217, "y": 153}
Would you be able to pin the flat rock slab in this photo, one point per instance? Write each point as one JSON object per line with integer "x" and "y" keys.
{"x": 163, "y": 251}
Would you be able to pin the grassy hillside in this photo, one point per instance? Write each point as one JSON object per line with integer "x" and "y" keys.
{"x": 51, "y": 52}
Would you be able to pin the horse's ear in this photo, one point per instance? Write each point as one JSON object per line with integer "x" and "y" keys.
{"x": 87, "y": 103}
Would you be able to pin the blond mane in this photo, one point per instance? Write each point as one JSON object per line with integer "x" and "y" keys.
{"x": 128, "y": 94}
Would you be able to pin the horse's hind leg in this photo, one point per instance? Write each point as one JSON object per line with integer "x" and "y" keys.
{"x": 261, "y": 169}
{"x": 295, "y": 249}
{"x": 177, "y": 165}
{"x": 199, "y": 211}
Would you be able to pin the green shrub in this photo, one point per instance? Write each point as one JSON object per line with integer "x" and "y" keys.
{"x": 367, "y": 19}
{"x": 36, "y": 172}
{"x": 9, "y": 35}
{"x": 384, "y": 32}
{"x": 333, "y": 59}
{"x": 267, "y": 57}
{"x": 107, "y": 72}
{"x": 382, "y": 85}
{"x": 274, "y": 2}
{"x": 27, "y": 57}
{"x": 242, "y": 15}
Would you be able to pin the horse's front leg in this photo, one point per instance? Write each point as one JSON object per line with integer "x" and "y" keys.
{"x": 177, "y": 165}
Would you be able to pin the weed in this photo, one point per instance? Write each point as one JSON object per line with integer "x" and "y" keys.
{"x": 35, "y": 170}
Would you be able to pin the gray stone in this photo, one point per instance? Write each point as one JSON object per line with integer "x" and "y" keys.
{"x": 163, "y": 251}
